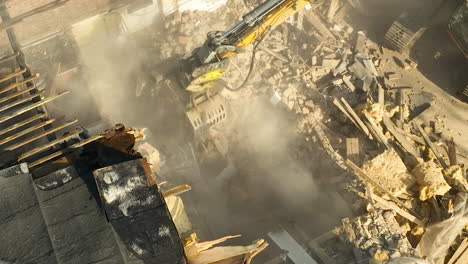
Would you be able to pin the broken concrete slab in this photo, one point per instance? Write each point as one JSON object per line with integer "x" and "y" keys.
{"x": 390, "y": 172}
{"x": 359, "y": 70}
{"x": 360, "y": 46}
{"x": 455, "y": 178}
{"x": 348, "y": 83}
{"x": 330, "y": 63}
{"x": 430, "y": 180}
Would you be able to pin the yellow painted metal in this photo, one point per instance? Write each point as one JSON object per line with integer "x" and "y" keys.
{"x": 273, "y": 20}
{"x": 205, "y": 81}
{"x": 289, "y": 8}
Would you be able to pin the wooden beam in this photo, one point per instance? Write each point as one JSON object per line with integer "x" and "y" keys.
{"x": 18, "y": 84}
{"x": 26, "y": 131}
{"x": 334, "y": 6}
{"x": 462, "y": 248}
{"x": 177, "y": 190}
{"x": 316, "y": 21}
{"x": 356, "y": 117}
{"x": 463, "y": 259}
{"x": 49, "y": 144}
{"x": 45, "y": 133}
{"x": 30, "y": 107}
{"x": 431, "y": 146}
{"x": 353, "y": 150}
{"x": 398, "y": 210}
{"x": 377, "y": 186}
{"x": 407, "y": 146}
{"x": 23, "y": 123}
{"x": 12, "y": 75}
{"x": 63, "y": 151}
{"x": 27, "y": 99}
{"x": 378, "y": 132}
{"x": 337, "y": 103}
{"x": 11, "y": 57}
{"x": 452, "y": 152}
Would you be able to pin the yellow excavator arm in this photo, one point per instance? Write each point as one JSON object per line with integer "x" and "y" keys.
{"x": 205, "y": 67}
{"x": 274, "y": 19}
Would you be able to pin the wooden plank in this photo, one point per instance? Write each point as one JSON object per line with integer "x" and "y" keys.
{"x": 337, "y": 103}
{"x": 11, "y": 57}
{"x": 18, "y": 84}
{"x": 22, "y": 123}
{"x": 377, "y": 186}
{"x": 63, "y": 151}
{"x": 316, "y": 21}
{"x": 452, "y": 152}
{"x": 334, "y": 6}
{"x": 360, "y": 46}
{"x": 398, "y": 210}
{"x": 30, "y": 107}
{"x": 381, "y": 92}
{"x": 18, "y": 93}
{"x": 380, "y": 136}
{"x": 300, "y": 20}
{"x": 37, "y": 137}
{"x": 177, "y": 190}
{"x": 12, "y": 75}
{"x": 326, "y": 143}
{"x": 50, "y": 144}
{"x": 26, "y": 131}
{"x": 356, "y": 117}
{"x": 401, "y": 104}
{"x": 462, "y": 248}
{"x": 352, "y": 150}
{"x": 432, "y": 146}
{"x": 407, "y": 146}
{"x": 21, "y": 100}
{"x": 463, "y": 258}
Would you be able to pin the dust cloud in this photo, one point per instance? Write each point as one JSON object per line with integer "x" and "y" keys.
{"x": 278, "y": 174}
{"x": 111, "y": 66}
{"x": 274, "y": 177}
{"x": 265, "y": 138}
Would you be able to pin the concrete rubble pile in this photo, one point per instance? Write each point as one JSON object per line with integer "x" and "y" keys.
{"x": 331, "y": 76}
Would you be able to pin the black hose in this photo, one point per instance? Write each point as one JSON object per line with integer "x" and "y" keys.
{"x": 252, "y": 63}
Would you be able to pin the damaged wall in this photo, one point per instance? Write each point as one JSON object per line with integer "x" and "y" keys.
{"x": 55, "y": 20}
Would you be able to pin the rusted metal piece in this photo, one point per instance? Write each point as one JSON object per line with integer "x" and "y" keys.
{"x": 26, "y": 131}
{"x": 23, "y": 123}
{"x": 21, "y": 92}
{"x": 20, "y": 101}
{"x": 30, "y": 107}
{"x": 8, "y": 77}
{"x": 18, "y": 84}
{"x": 46, "y": 133}
{"x": 63, "y": 151}
{"x": 49, "y": 144}
{"x": 3, "y": 60}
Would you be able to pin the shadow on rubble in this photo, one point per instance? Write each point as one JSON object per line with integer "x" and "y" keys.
{"x": 376, "y": 16}
{"x": 441, "y": 61}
